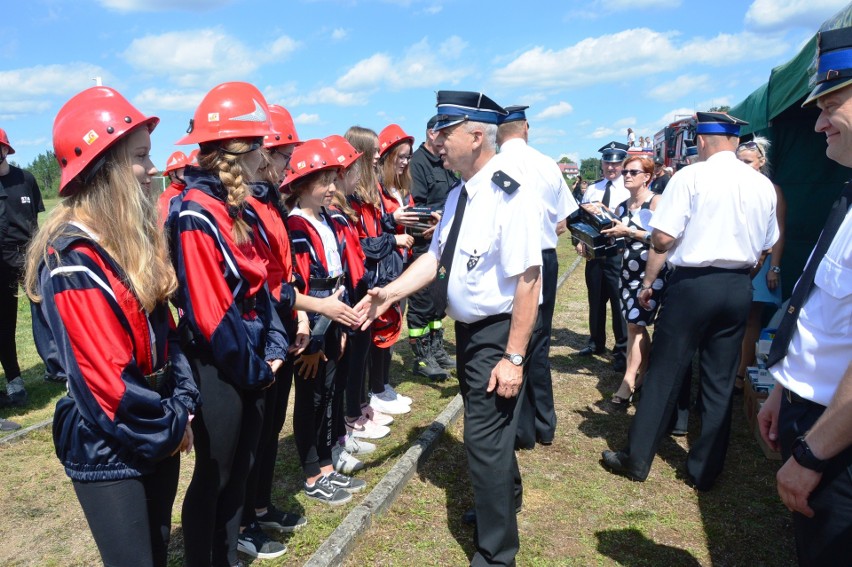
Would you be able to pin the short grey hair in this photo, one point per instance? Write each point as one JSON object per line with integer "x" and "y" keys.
{"x": 489, "y": 132}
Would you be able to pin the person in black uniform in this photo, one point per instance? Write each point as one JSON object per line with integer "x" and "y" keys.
{"x": 430, "y": 184}
{"x": 715, "y": 221}
{"x": 661, "y": 176}
{"x": 603, "y": 275}
{"x": 486, "y": 266}
{"x": 22, "y": 206}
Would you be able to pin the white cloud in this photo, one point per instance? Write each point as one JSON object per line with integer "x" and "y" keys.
{"x": 783, "y": 14}
{"x": 434, "y": 9}
{"x": 680, "y": 87}
{"x": 601, "y": 132}
{"x": 674, "y": 114}
{"x": 201, "y": 57}
{"x": 338, "y": 34}
{"x": 162, "y": 5}
{"x": 602, "y": 59}
{"x": 419, "y": 67}
{"x": 561, "y": 108}
{"x": 329, "y": 95}
{"x": 542, "y": 135}
{"x": 625, "y": 122}
{"x": 157, "y": 99}
{"x": 305, "y": 118}
{"x": 29, "y": 90}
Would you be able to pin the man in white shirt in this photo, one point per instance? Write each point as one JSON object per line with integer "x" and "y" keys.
{"x": 715, "y": 221}
{"x": 486, "y": 266}
{"x": 808, "y": 412}
{"x": 540, "y": 174}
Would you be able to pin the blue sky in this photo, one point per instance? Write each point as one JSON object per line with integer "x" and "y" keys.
{"x": 588, "y": 69}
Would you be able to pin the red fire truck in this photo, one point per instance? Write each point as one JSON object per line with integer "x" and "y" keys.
{"x": 669, "y": 142}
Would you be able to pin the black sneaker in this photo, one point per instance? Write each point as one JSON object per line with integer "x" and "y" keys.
{"x": 324, "y": 491}
{"x": 346, "y": 482}
{"x": 6, "y": 425}
{"x": 275, "y": 519}
{"x": 257, "y": 544}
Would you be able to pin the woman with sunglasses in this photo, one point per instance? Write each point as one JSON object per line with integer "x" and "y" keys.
{"x": 634, "y": 215}
{"x": 230, "y": 330}
{"x": 100, "y": 292}
{"x": 766, "y": 284}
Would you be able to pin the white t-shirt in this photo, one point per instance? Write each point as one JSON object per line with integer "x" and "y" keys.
{"x": 721, "y": 213}
{"x": 329, "y": 242}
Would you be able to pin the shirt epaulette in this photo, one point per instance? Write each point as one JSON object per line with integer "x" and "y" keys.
{"x": 505, "y": 182}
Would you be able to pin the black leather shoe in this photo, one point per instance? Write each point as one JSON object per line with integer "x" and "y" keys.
{"x": 469, "y": 517}
{"x": 590, "y": 350}
{"x": 619, "y": 364}
{"x": 614, "y": 462}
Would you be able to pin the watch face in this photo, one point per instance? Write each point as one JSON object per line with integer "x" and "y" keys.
{"x": 517, "y": 359}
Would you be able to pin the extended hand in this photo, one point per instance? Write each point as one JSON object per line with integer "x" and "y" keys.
{"x": 309, "y": 364}
{"x": 338, "y": 311}
{"x": 372, "y": 305}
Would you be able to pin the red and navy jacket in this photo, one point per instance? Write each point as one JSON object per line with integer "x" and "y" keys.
{"x": 353, "y": 258}
{"x": 375, "y": 231}
{"x": 164, "y": 201}
{"x": 228, "y": 310}
{"x": 117, "y": 421}
{"x": 273, "y": 245}
{"x": 311, "y": 264}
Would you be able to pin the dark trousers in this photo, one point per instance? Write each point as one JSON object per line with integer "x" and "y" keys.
{"x": 537, "y": 420}
{"x": 603, "y": 279}
{"x": 131, "y": 519}
{"x": 706, "y": 309}
{"x": 259, "y": 483}
{"x": 10, "y": 277}
{"x": 825, "y": 539}
{"x": 312, "y": 409}
{"x": 490, "y": 427}
{"x": 421, "y": 307}
{"x": 227, "y": 428}
{"x": 357, "y": 350}
{"x": 380, "y": 359}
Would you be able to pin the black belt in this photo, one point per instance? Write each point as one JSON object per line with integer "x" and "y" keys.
{"x": 795, "y": 398}
{"x": 324, "y": 284}
{"x": 700, "y": 271}
{"x": 490, "y": 320}
{"x": 157, "y": 378}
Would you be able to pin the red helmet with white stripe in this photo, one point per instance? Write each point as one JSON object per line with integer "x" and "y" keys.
{"x": 176, "y": 161}
{"x": 229, "y": 111}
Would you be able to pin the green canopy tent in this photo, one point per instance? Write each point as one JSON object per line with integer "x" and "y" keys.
{"x": 810, "y": 181}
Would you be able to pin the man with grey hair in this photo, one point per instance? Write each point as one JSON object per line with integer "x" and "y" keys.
{"x": 486, "y": 265}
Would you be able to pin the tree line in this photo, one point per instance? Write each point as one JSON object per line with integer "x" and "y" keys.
{"x": 45, "y": 169}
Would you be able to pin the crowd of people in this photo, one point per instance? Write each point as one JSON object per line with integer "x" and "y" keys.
{"x": 290, "y": 264}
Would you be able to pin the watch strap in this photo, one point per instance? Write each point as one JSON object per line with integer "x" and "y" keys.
{"x": 805, "y": 457}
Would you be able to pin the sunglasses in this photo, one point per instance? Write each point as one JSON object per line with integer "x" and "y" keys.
{"x": 632, "y": 172}
{"x": 750, "y": 145}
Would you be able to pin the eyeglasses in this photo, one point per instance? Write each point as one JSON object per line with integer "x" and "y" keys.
{"x": 751, "y": 145}
{"x": 632, "y": 172}
{"x": 404, "y": 158}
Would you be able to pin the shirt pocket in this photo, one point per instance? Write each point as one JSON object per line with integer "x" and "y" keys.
{"x": 472, "y": 257}
{"x": 835, "y": 281}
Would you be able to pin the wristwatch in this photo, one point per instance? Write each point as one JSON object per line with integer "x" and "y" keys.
{"x": 775, "y": 269}
{"x": 516, "y": 359}
{"x": 803, "y": 455}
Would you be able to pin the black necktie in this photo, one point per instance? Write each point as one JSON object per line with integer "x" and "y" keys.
{"x": 606, "y": 196}
{"x": 442, "y": 280}
{"x": 803, "y": 287}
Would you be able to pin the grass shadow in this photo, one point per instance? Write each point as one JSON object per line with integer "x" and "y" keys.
{"x": 631, "y": 548}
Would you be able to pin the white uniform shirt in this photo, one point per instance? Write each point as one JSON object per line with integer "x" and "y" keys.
{"x": 721, "y": 213}
{"x": 536, "y": 171}
{"x": 821, "y": 346}
{"x": 503, "y": 231}
{"x": 618, "y": 193}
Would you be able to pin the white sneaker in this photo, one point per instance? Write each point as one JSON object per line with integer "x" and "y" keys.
{"x": 344, "y": 462}
{"x": 357, "y": 446}
{"x": 385, "y": 404}
{"x": 376, "y": 417}
{"x": 366, "y": 429}
{"x": 404, "y": 399}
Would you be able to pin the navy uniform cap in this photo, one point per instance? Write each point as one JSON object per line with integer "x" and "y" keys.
{"x": 432, "y": 121}
{"x": 834, "y": 63}
{"x": 718, "y": 123}
{"x": 691, "y": 148}
{"x": 515, "y": 114}
{"x": 614, "y": 151}
{"x": 454, "y": 107}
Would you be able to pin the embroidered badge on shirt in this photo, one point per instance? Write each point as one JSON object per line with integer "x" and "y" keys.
{"x": 471, "y": 263}
{"x": 505, "y": 182}
{"x": 442, "y": 272}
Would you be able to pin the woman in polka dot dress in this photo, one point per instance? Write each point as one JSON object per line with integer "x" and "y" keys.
{"x": 635, "y": 213}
